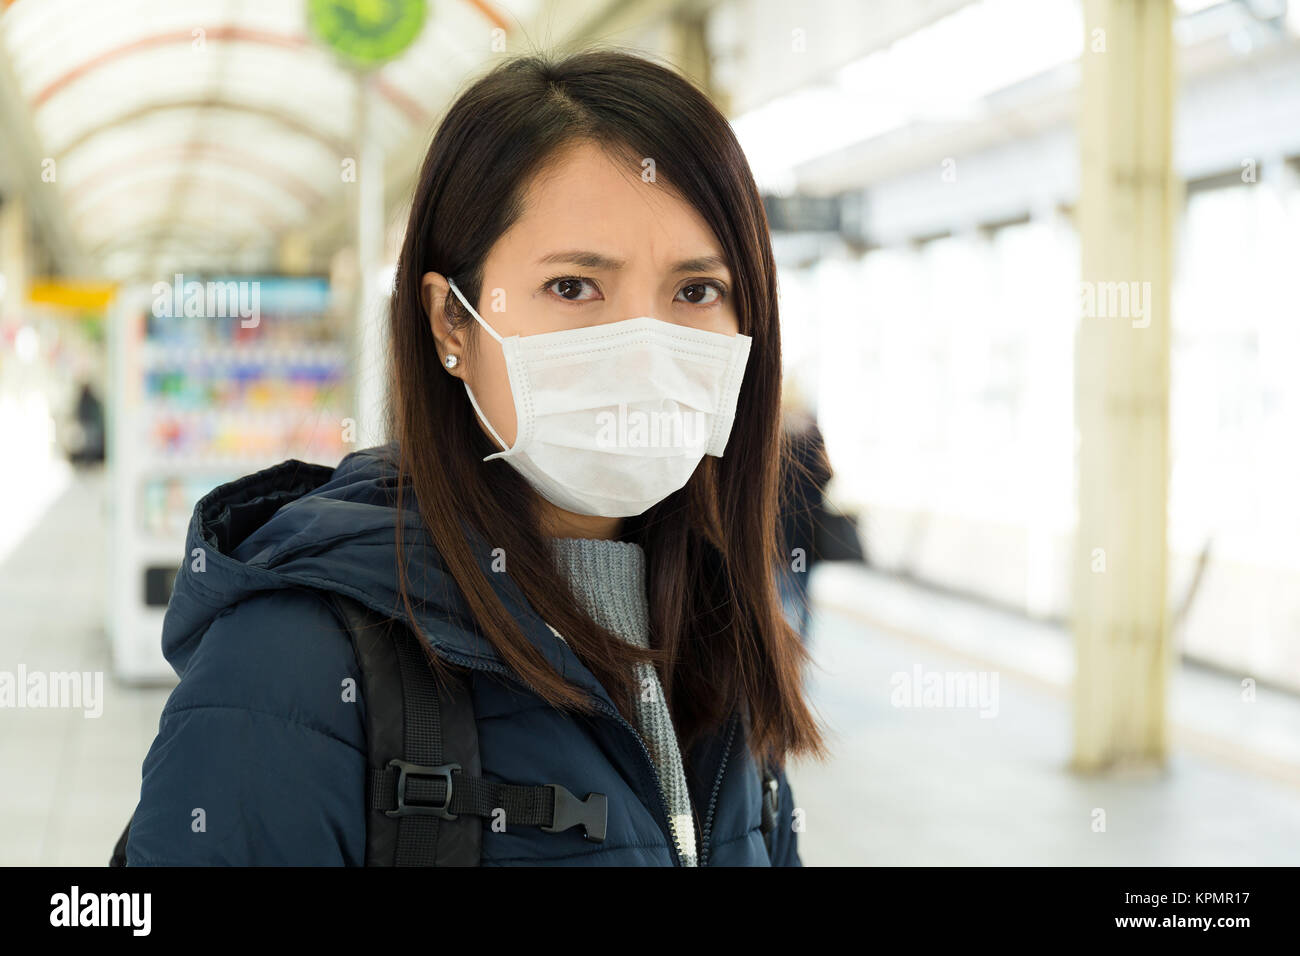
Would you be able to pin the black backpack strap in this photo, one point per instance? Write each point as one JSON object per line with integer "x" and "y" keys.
{"x": 418, "y": 733}
{"x": 425, "y": 793}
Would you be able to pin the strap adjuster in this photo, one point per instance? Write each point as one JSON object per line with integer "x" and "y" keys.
{"x": 592, "y": 813}
{"x": 406, "y": 769}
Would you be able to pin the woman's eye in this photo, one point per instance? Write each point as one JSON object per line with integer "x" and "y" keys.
{"x": 570, "y": 288}
{"x": 698, "y": 293}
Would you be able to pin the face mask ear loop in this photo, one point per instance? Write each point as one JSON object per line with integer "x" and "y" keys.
{"x": 492, "y": 332}
{"x": 487, "y": 424}
{"x": 472, "y": 311}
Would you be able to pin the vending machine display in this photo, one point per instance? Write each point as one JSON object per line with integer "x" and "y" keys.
{"x": 201, "y": 397}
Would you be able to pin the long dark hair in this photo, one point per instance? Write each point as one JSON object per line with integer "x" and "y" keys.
{"x": 718, "y": 633}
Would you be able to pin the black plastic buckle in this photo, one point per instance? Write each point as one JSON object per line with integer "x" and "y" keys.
{"x": 404, "y": 770}
{"x": 592, "y": 813}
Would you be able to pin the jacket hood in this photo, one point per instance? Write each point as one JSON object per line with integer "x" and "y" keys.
{"x": 297, "y": 525}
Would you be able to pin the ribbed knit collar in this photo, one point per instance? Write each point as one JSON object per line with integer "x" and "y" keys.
{"x": 608, "y": 577}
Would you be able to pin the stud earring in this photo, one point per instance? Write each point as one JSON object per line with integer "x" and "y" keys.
{"x": 451, "y": 361}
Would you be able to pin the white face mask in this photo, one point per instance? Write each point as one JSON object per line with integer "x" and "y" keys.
{"x": 612, "y": 419}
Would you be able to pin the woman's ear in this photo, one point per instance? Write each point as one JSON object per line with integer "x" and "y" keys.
{"x": 451, "y": 341}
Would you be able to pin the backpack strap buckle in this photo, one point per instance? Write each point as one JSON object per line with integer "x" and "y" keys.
{"x": 592, "y": 813}
{"x": 405, "y": 807}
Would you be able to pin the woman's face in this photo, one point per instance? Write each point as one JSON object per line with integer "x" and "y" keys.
{"x": 596, "y": 243}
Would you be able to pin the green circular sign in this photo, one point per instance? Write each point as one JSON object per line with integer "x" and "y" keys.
{"x": 367, "y": 32}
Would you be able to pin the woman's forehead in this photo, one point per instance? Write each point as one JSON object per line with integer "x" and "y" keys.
{"x": 595, "y": 204}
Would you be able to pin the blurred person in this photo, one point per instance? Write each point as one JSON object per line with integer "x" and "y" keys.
{"x": 804, "y": 478}
{"x": 90, "y": 427}
{"x": 586, "y": 261}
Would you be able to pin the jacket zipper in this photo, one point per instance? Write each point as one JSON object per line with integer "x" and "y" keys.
{"x": 713, "y": 797}
{"x": 669, "y": 830}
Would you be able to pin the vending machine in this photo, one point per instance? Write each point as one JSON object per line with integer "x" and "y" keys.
{"x": 210, "y": 379}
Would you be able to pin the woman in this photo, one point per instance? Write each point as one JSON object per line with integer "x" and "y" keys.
{"x": 577, "y": 510}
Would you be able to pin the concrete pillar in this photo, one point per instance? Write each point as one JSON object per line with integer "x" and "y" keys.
{"x": 688, "y": 50}
{"x": 1128, "y": 206}
{"x": 13, "y": 258}
{"x": 372, "y": 367}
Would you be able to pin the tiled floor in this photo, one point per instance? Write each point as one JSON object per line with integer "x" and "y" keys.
{"x": 911, "y": 786}
{"x": 70, "y": 781}
{"x": 905, "y": 786}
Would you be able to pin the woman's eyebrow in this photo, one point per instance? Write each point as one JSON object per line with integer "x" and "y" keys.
{"x": 701, "y": 264}
{"x": 580, "y": 257}
{"x": 596, "y": 260}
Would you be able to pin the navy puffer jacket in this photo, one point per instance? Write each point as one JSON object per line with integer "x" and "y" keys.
{"x": 258, "y": 736}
